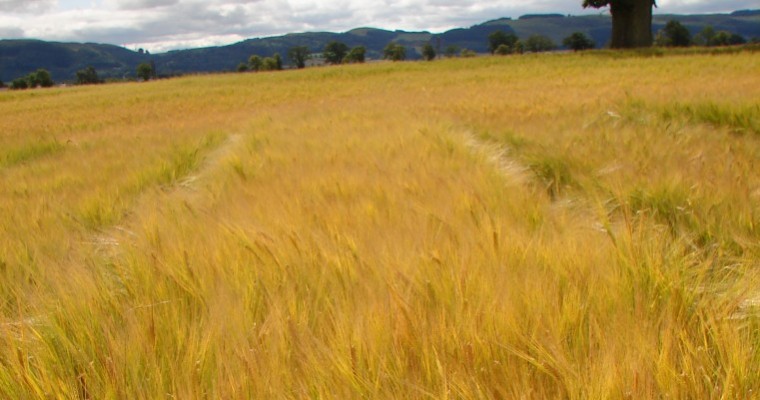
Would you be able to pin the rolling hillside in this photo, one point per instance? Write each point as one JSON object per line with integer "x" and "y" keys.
{"x": 19, "y": 57}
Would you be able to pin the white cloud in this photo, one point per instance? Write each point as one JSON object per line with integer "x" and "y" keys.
{"x": 11, "y": 32}
{"x": 143, "y": 4}
{"x": 160, "y": 25}
{"x": 26, "y": 6}
{"x": 703, "y": 6}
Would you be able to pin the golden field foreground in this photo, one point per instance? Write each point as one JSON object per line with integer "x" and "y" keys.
{"x": 555, "y": 226}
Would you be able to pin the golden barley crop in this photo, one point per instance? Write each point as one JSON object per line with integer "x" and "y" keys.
{"x": 537, "y": 226}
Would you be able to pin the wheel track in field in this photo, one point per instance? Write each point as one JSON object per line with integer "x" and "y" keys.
{"x": 106, "y": 241}
{"x": 105, "y": 244}
{"x": 518, "y": 174}
{"x": 498, "y": 156}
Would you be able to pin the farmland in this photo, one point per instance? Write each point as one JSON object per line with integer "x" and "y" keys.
{"x": 537, "y": 226}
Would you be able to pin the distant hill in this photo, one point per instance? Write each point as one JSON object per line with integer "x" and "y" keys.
{"x": 19, "y": 57}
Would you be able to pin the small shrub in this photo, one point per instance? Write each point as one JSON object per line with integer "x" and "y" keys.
{"x": 19, "y": 84}
{"x": 578, "y": 41}
{"x": 539, "y": 43}
{"x": 467, "y": 53}
{"x": 451, "y": 51}
{"x": 502, "y": 50}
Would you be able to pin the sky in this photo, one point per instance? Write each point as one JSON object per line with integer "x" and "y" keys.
{"x": 162, "y": 25}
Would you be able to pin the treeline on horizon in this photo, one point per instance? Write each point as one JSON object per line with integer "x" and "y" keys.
{"x": 674, "y": 34}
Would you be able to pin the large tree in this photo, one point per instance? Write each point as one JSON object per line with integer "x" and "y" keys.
{"x": 88, "y": 76}
{"x": 298, "y": 56}
{"x": 428, "y": 52}
{"x": 40, "y": 78}
{"x": 498, "y": 38}
{"x": 394, "y": 52}
{"x": 254, "y": 63}
{"x": 578, "y": 41}
{"x": 144, "y": 71}
{"x": 334, "y": 52}
{"x": 356, "y": 55}
{"x": 631, "y": 21}
{"x": 674, "y": 34}
{"x": 278, "y": 61}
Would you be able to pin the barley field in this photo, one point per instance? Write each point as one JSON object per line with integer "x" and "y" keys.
{"x": 538, "y": 226}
